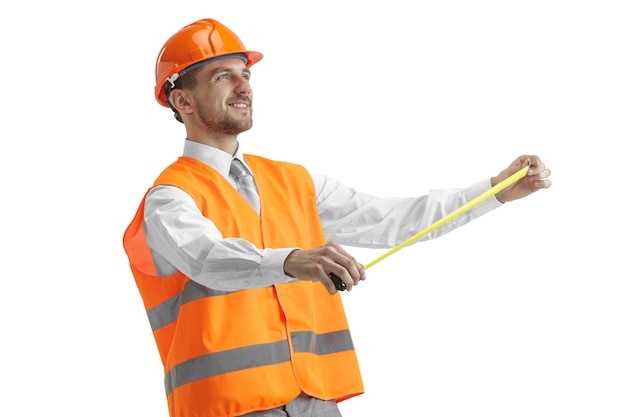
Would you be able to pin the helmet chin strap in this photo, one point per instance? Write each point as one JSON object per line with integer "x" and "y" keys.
{"x": 176, "y": 113}
{"x": 171, "y": 80}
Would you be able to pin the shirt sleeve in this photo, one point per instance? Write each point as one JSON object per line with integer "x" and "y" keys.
{"x": 361, "y": 220}
{"x": 182, "y": 239}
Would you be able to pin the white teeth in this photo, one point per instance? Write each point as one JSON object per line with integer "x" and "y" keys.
{"x": 240, "y": 105}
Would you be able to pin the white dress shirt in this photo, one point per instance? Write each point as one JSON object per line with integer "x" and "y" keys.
{"x": 182, "y": 239}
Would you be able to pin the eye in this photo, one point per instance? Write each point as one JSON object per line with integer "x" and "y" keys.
{"x": 223, "y": 76}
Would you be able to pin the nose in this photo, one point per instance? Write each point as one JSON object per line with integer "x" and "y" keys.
{"x": 243, "y": 86}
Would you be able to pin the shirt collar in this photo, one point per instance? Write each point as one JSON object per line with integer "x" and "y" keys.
{"x": 213, "y": 157}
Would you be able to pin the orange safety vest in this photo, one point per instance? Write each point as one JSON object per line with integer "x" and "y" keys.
{"x": 230, "y": 353}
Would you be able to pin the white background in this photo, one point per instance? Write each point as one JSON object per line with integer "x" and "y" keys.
{"x": 520, "y": 313}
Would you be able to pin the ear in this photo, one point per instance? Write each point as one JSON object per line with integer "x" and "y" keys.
{"x": 181, "y": 100}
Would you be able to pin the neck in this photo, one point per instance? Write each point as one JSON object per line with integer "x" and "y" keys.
{"x": 226, "y": 143}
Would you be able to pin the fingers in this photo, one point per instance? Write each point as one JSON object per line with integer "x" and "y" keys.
{"x": 326, "y": 263}
{"x": 531, "y": 161}
{"x": 519, "y": 163}
{"x": 538, "y": 173}
{"x": 347, "y": 278}
{"x": 536, "y": 178}
{"x": 344, "y": 268}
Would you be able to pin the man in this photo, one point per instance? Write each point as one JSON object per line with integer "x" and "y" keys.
{"x": 235, "y": 254}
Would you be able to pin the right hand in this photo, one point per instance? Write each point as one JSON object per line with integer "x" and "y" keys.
{"x": 317, "y": 264}
{"x": 536, "y": 179}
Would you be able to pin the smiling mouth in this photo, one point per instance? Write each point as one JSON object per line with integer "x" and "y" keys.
{"x": 239, "y": 105}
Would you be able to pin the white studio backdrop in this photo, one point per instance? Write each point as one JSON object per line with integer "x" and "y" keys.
{"x": 520, "y": 313}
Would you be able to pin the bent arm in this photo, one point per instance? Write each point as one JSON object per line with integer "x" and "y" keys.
{"x": 182, "y": 239}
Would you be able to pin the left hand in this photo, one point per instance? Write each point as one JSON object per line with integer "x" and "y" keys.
{"x": 535, "y": 179}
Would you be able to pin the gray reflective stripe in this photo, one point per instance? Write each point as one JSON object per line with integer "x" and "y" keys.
{"x": 167, "y": 312}
{"x": 226, "y": 361}
{"x": 258, "y": 355}
{"x": 322, "y": 344}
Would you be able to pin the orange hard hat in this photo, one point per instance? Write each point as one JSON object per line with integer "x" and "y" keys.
{"x": 195, "y": 43}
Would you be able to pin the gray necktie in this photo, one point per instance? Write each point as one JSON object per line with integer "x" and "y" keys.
{"x": 245, "y": 184}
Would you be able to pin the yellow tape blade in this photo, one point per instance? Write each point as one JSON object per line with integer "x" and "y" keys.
{"x": 467, "y": 206}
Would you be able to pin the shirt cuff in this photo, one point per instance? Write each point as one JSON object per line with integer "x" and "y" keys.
{"x": 477, "y": 189}
{"x": 272, "y": 265}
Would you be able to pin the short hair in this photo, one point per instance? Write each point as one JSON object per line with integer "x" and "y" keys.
{"x": 187, "y": 80}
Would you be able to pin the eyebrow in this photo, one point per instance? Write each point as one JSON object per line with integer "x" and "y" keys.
{"x": 229, "y": 69}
